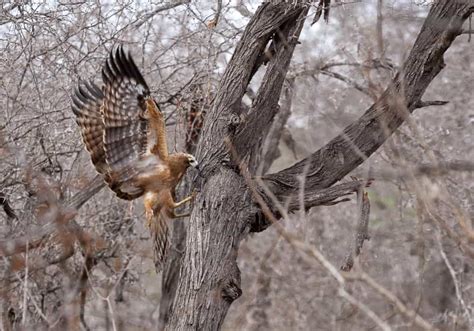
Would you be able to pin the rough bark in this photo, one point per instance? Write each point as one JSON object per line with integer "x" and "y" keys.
{"x": 224, "y": 212}
{"x": 210, "y": 279}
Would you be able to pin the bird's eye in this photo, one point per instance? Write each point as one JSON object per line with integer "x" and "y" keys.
{"x": 193, "y": 162}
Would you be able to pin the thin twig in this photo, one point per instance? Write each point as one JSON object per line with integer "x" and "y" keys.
{"x": 25, "y": 290}
{"x": 389, "y": 296}
{"x": 408, "y": 172}
{"x": 362, "y": 230}
{"x": 455, "y": 281}
{"x": 213, "y": 23}
{"x": 423, "y": 104}
{"x": 166, "y": 6}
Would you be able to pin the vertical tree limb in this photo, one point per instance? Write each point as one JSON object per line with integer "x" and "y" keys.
{"x": 210, "y": 279}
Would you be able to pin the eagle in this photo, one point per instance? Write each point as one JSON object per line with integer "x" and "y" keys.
{"x": 124, "y": 132}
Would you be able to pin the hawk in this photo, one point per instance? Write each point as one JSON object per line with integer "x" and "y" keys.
{"x": 124, "y": 132}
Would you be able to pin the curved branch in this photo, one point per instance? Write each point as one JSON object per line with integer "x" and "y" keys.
{"x": 362, "y": 138}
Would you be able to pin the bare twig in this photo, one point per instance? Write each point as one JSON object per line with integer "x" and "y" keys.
{"x": 452, "y": 272}
{"x": 168, "y": 5}
{"x": 380, "y": 43}
{"x": 213, "y": 23}
{"x": 392, "y": 298}
{"x": 323, "y": 7}
{"x": 427, "y": 169}
{"x": 422, "y": 104}
{"x": 362, "y": 230}
{"x": 348, "y": 81}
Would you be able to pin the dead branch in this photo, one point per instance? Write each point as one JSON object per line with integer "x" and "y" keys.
{"x": 427, "y": 169}
{"x": 323, "y": 7}
{"x": 34, "y": 239}
{"x": 166, "y": 6}
{"x": 363, "y": 137}
{"x": 362, "y": 230}
{"x": 392, "y": 298}
{"x": 456, "y": 281}
{"x": 423, "y": 104}
{"x": 269, "y": 149}
{"x": 323, "y": 197}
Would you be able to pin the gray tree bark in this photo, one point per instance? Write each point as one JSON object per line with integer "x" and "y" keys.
{"x": 224, "y": 211}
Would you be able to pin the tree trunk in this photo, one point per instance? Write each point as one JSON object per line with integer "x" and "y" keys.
{"x": 224, "y": 211}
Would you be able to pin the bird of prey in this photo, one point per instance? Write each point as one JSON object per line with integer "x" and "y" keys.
{"x": 124, "y": 132}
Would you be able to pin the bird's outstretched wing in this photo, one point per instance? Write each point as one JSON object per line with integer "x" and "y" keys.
{"x": 86, "y": 102}
{"x": 132, "y": 130}
{"x": 121, "y": 125}
{"x": 126, "y": 125}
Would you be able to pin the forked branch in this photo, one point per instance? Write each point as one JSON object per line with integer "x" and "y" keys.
{"x": 363, "y": 137}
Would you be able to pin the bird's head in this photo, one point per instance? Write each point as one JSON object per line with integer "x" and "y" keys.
{"x": 192, "y": 161}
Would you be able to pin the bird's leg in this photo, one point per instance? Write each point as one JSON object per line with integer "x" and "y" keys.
{"x": 149, "y": 203}
{"x": 171, "y": 214}
{"x": 149, "y": 216}
{"x": 180, "y": 203}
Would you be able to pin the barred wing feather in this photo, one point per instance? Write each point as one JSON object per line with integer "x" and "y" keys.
{"x": 86, "y": 102}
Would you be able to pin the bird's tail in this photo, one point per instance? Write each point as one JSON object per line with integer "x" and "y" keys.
{"x": 159, "y": 235}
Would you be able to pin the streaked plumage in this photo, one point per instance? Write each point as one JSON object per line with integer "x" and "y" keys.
{"x": 124, "y": 132}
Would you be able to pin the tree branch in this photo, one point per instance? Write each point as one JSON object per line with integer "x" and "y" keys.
{"x": 227, "y": 106}
{"x": 362, "y": 230}
{"x": 265, "y": 106}
{"x": 35, "y": 238}
{"x": 166, "y": 6}
{"x": 439, "y": 169}
{"x": 269, "y": 149}
{"x": 323, "y": 197}
{"x": 363, "y": 137}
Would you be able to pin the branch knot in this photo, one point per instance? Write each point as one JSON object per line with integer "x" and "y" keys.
{"x": 230, "y": 290}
